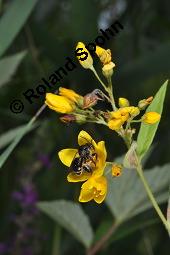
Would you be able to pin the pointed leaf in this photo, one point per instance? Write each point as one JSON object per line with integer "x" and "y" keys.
{"x": 147, "y": 132}
{"x": 9, "y": 136}
{"x": 13, "y": 20}
{"x": 4, "y": 156}
{"x": 9, "y": 65}
{"x": 70, "y": 216}
{"x": 127, "y": 196}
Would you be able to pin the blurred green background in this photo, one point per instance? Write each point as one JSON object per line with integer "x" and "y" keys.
{"x": 43, "y": 33}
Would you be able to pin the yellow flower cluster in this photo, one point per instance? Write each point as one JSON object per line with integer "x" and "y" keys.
{"x": 95, "y": 183}
{"x": 119, "y": 117}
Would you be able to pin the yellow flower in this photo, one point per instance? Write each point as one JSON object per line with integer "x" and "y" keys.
{"x": 123, "y": 102}
{"x": 151, "y": 117}
{"x": 117, "y": 119}
{"x": 67, "y": 155}
{"x": 94, "y": 188}
{"x": 116, "y": 170}
{"x": 84, "y": 56}
{"x": 59, "y": 104}
{"x": 132, "y": 110}
{"x": 70, "y": 94}
{"x": 104, "y": 55}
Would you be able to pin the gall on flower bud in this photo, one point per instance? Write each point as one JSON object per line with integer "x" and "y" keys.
{"x": 84, "y": 56}
{"x": 144, "y": 103}
{"x": 92, "y": 98}
{"x": 68, "y": 118}
{"x": 107, "y": 70}
{"x": 151, "y": 117}
{"x": 123, "y": 102}
{"x": 116, "y": 170}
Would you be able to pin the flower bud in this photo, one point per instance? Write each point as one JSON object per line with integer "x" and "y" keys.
{"x": 104, "y": 55}
{"x": 144, "y": 103}
{"x": 108, "y": 69}
{"x": 84, "y": 56}
{"x": 116, "y": 170}
{"x": 123, "y": 102}
{"x": 59, "y": 104}
{"x": 151, "y": 117}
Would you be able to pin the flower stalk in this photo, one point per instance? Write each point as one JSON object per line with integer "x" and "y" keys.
{"x": 151, "y": 196}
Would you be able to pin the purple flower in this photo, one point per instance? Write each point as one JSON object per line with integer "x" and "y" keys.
{"x": 3, "y": 248}
{"x": 30, "y": 196}
{"x": 45, "y": 160}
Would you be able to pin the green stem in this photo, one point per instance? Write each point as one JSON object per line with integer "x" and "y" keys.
{"x": 95, "y": 73}
{"x": 151, "y": 197}
{"x": 110, "y": 92}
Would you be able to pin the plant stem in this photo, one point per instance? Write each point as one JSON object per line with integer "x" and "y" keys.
{"x": 110, "y": 92}
{"x": 101, "y": 242}
{"x": 151, "y": 197}
{"x": 95, "y": 73}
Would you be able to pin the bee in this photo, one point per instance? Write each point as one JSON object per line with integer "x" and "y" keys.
{"x": 86, "y": 159}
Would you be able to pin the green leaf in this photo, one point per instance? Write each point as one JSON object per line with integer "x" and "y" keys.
{"x": 13, "y": 20}
{"x": 147, "y": 132}
{"x": 9, "y": 136}
{"x": 4, "y": 156}
{"x": 168, "y": 212}
{"x": 70, "y": 216}
{"x": 127, "y": 196}
{"x": 9, "y": 65}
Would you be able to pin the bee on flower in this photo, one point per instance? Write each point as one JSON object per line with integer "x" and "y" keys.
{"x": 87, "y": 164}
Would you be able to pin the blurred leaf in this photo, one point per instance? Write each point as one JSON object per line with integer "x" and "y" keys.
{"x": 9, "y": 136}
{"x": 150, "y": 64}
{"x": 8, "y": 66}
{"x": 13, "y": 20}
{"x": 147, "y": 132}
{"x": 127, "y": 197}
{"x": 168, "y": 212}
{"x": 124, "y": 230}
{"x": 7, "y": 152}
{"x": 70, "y": 216}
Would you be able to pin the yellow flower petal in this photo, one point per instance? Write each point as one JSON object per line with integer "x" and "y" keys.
{"x": 59, "y": 103}
{"x": 101, "y": 159}
{"x": 94, "y": 188}
{"x": 70, "y": 94}
{"x": 100, "y": 198}
{"x": 72, "y": 177}
{"x": 85, "y": 196}
{"x": 84, "y": 138}
{"x": 67, "y": 155}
